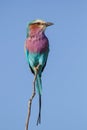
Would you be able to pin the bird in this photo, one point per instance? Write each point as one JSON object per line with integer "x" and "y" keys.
{"x": 36, "y": 50}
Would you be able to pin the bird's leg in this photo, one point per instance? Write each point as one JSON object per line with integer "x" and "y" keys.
{"x": 38, "y": 67}
{"x": 30, "y": 101}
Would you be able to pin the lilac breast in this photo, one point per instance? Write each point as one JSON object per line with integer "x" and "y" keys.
{"x": 37, "y": 45}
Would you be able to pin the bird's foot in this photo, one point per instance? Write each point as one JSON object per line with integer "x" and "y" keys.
{"x": 36, "y": 69}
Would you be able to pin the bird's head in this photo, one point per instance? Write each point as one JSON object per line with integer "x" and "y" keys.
{"x": 38, "y": 25}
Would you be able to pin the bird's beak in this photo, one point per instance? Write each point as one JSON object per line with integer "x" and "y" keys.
{"x": 48, "y": 24}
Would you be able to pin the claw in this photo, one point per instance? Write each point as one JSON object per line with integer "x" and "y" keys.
{"x": 36, "y": 69}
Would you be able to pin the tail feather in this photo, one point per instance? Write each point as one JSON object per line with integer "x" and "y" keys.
{"x": 39, "y": 90}
{"x": 39, "y": 84}
{"x": 39, "y": 114}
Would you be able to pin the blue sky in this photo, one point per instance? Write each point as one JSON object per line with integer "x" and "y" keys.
{"x": 64, "y": 98}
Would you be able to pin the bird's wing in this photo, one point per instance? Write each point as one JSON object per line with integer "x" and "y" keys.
{"x": 27, "y": 58}
{"x": 26, "y": 52}
{"x": 43, "y": 59}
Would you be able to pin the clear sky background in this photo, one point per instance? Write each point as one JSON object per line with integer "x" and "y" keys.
{"x": 64, "y": 98}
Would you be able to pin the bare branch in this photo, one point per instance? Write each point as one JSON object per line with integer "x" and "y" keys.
{"x": 29, "y": 104}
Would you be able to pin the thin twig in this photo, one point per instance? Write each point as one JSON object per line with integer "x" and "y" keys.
{"x": 30, "y": 103}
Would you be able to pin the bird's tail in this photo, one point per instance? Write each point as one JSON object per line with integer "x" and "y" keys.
{"x": 39, "y": 90}
{"x": 39, "y": 84}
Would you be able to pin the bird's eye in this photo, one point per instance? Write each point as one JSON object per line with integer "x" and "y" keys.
{"x": 39, "y": 23}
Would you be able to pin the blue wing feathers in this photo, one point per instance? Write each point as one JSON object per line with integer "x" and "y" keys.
{"x": 33, "y": 60}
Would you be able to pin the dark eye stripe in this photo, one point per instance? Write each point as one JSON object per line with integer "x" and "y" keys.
{"x": 40, "y": 23}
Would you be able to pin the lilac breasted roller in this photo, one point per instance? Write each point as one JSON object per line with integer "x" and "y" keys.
{"x": 37, "y": 50}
